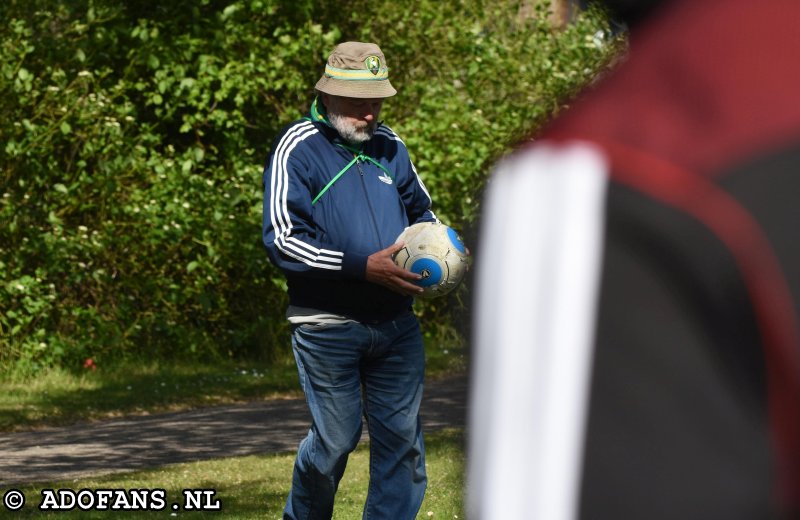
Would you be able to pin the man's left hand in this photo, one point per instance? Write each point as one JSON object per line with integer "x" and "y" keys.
{"x": 382, "y": 270}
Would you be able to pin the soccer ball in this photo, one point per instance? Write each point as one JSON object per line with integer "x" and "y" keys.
{"x": 436, "y": 252}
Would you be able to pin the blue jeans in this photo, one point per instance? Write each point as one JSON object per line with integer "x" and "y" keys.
{"x": 347, "y": 371}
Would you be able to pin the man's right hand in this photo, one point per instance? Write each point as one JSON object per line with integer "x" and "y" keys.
{"x": 382, "y": 270}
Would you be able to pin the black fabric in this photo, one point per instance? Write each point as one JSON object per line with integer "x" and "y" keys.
{"x": 677, "y": 425}
{"x": 769, "y": 186}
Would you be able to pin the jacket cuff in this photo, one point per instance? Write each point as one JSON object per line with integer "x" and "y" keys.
{"x": 354, "y": 266}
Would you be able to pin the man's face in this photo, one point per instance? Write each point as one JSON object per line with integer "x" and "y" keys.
{"x": 354, "y": 118}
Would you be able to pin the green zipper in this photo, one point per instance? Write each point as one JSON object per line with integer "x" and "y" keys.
{"x": 358, "y": 155}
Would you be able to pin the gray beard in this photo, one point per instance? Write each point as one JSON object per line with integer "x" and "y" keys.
{"x": 349, "y": 132}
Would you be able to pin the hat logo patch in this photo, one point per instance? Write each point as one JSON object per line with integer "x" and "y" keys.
{"x": 373, "y": 64}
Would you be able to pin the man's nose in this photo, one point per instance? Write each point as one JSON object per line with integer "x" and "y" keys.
{"x": 368, "y": 114}
{"x": 370, "y": 111}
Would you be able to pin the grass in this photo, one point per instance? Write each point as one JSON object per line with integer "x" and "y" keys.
{"x": 256, "y": 486}
{"x": 248, "y": 487}
{"x": 60, "y": 397}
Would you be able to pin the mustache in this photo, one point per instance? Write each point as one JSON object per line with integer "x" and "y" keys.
{"x": 353, "y": 131}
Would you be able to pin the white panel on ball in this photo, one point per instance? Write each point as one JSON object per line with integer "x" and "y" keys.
{"x": 435, "y": 251}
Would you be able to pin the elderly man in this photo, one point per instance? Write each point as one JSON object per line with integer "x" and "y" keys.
{"x": 339, "y": 188}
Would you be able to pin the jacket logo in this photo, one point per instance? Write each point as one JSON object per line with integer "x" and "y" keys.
{"x": 385, "y": 178}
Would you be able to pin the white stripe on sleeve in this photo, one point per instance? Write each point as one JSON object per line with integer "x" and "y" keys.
{"x": 538, "y": 269}
{"x": 279, "y": 210}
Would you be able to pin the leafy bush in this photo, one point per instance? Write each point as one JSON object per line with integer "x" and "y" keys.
{"x": 134, "y": 136}
{"x": 475, "y": 79}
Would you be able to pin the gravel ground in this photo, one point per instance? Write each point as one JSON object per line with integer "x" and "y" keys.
{"x": 98, "y": 448}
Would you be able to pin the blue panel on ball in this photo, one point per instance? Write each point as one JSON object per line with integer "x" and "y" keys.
{"x": 456, "y": 241}
{"x": 429, "y": 269}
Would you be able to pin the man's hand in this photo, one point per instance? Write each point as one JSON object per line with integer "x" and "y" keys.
{"x": 382, "y": 270}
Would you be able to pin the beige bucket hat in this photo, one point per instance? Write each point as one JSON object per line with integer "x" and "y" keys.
{"x": 356, "y": 70}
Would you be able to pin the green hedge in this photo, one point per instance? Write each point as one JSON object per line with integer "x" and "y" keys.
{"x": 134, "y": 136}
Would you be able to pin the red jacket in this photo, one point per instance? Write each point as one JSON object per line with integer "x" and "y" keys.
{"x": 664, "y": 214}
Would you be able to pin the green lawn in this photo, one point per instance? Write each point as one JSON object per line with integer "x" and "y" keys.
{"x": 247, "y": 487}
{"x": 60, "y": 397}
{"x": 256, "y": 486}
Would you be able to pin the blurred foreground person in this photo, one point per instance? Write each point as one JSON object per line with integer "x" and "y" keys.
{"x": 636, "y": 336}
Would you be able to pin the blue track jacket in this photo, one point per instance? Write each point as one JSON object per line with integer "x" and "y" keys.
{"x": 322, "y": 247}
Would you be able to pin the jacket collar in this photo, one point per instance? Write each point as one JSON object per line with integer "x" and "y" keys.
{"x": 318, "y": 112}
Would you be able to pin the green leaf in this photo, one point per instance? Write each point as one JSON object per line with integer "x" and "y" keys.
{"x": 230, "y": 10}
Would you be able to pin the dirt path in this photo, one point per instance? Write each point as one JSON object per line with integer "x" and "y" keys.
{"x": 97, "y": 448}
